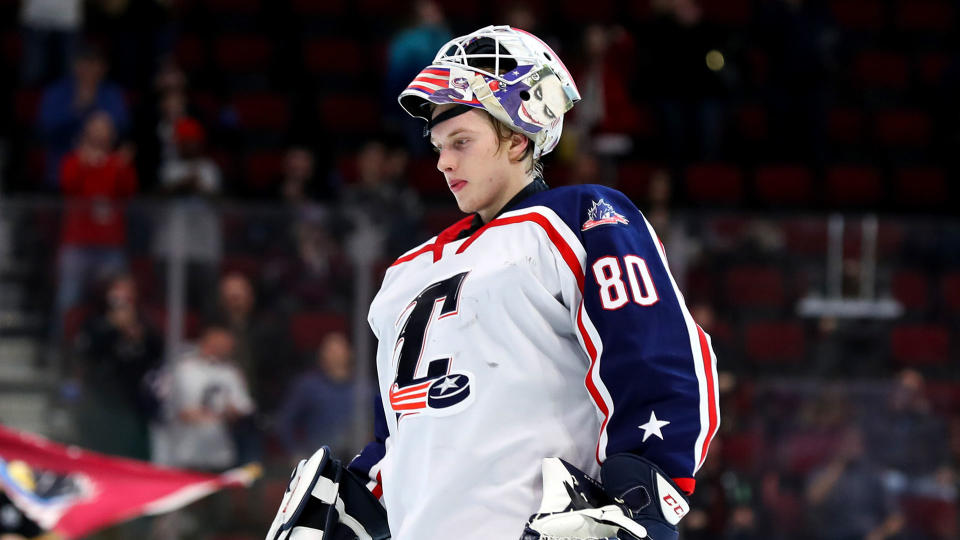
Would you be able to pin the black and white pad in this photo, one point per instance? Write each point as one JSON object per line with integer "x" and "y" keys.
{"x": 325, "y": 501}
{"x": 575, "y": 506}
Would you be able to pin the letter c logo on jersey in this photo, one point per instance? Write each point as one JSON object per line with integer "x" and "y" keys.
{"x": 439, "y": 391}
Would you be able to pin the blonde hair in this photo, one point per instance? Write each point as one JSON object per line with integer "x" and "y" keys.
{"x": 504, "y": 133}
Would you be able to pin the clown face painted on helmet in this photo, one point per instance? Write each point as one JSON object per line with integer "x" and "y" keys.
{"x": 546, "y": 103}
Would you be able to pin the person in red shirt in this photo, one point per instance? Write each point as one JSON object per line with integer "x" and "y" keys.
{"x": 95, "y": 180}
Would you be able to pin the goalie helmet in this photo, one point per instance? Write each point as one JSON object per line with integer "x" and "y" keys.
{"x": 509, "y": 73}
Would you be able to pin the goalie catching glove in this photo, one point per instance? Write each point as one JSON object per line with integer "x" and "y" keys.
{"x": 325, "y": 501}
{"x": 636, "y": 501}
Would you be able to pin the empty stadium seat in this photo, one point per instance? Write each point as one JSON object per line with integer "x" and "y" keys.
{"x": 349, "y": 113}
{"x": 262, "y": 111}
{"x": 191, "y": 53}
{"x": 423, "y": 175}
{"x": 925, "y": 16}
{"x": 931, "y": 68}
{"x": 262, "y": 169}
{"x": 921, "y": 186}
{"x": 806, "y": 236}
{"x": 920, "y": 345}
{"x": 334, "y": 56}
{"x": 860, "y": 15}
{"x": 882, "y": 69}
{"x": 725, "y": 12}
{"x": 752, "y": 122}
{"x": 950, "y": 291}
{"x": 911, "y": 288}
{"x": 633, "y": 178}
{"x": 774, "y": 342}
{"x": 755, "y": 286}
{"x": 714, "y": 183}
{"x": 902, "y": 127}
{"x": 783, "y": 184}
{"x": 853, "y": 185}
{"x": 845, "y": 125}
{"x": 27, "y": 104}
{"x": 307, "y": 329}
{"x": 242, "y": 53}
{"x": 326, "y": 8}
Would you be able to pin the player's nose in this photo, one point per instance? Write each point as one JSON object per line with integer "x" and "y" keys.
{"x": 446, "y": 161}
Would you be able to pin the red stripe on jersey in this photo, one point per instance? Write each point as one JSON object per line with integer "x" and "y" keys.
{"x": 588, "y": 380}
{"x": 568, "y": 255}
{"x": 685, "y": 484}
{"x": 712, "y": 412}
{"x": 435, "y": 71}
{"x": 378, "y": 489}
{"x": 448, "y": 234}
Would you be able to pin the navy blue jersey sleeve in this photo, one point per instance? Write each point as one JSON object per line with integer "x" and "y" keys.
{"x": 652, "y": 370}
{"x": 367, "y": 463}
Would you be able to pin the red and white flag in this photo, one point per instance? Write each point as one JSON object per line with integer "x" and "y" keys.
{"x": 75, "y": 492}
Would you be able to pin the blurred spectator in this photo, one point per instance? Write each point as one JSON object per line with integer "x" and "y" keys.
{"x": 407, "y": 53}
{"x": 319, "y": 406}
{"x": 51, "y": 34}
{"x": 299, "y": 181}
{"x": 162, "y": 108}
{"x": 262, "y": 348}
{"x": 113, "y": 353}
{"x": 67, "y": 104}
{"x": 690, "y": 70}
{"x": 607, "y": 114}
{"x": 385, "y": 210}
{"x": 207, "y": 395}
{"x": 96, "y": 182}
{"x": 909, "y": 440}
{"x": 190, "y": 228}
{"x": 846, "y": 498}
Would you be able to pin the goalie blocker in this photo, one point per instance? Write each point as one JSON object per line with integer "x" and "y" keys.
{"x": 636, "y": 501}
{"x": 325, "y": 501}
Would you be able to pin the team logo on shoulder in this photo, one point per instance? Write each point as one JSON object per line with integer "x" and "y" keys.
{"x": 602, "y": 213}
{"x": 446, "y": 395}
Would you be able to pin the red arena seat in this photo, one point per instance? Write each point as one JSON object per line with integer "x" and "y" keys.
{"x": 775, "y": 342}
{"x": 784, "y": 184}
{"x": 755, "y": 286}
{"x": 714, "y": 183}
{"x": 920, "y": 345}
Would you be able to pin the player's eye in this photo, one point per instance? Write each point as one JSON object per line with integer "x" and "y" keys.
{"x": 460, "y": 143}
{"x": 538, "y": 93}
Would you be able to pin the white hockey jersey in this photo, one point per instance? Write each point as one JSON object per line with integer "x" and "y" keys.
{"x": 554, "y": 330}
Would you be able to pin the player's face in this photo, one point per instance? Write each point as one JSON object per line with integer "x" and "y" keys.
{"x": 545, "y": 104}
{"x": 477, "y": 169}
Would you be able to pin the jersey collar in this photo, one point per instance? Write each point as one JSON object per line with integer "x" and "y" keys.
{"x": 536, "y": 186}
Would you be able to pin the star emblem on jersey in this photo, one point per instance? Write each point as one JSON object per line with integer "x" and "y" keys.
{"x": 602, "y": 213}
{"x": 653, "y": 426}
{"x": 447, "y": 384}
{"x": 442, "y": 396}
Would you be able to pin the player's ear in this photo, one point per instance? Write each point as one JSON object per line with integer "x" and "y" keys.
{"x": 518, "y": 146}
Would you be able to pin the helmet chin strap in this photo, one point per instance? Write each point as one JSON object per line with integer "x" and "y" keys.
{"x": 444, "y": 116}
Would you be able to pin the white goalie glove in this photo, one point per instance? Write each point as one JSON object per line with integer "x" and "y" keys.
{"x": 625, "y": 507}
{"x": 325, "y": 501}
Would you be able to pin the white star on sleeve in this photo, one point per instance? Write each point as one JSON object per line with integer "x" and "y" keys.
{"x": 652, "y": 427}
